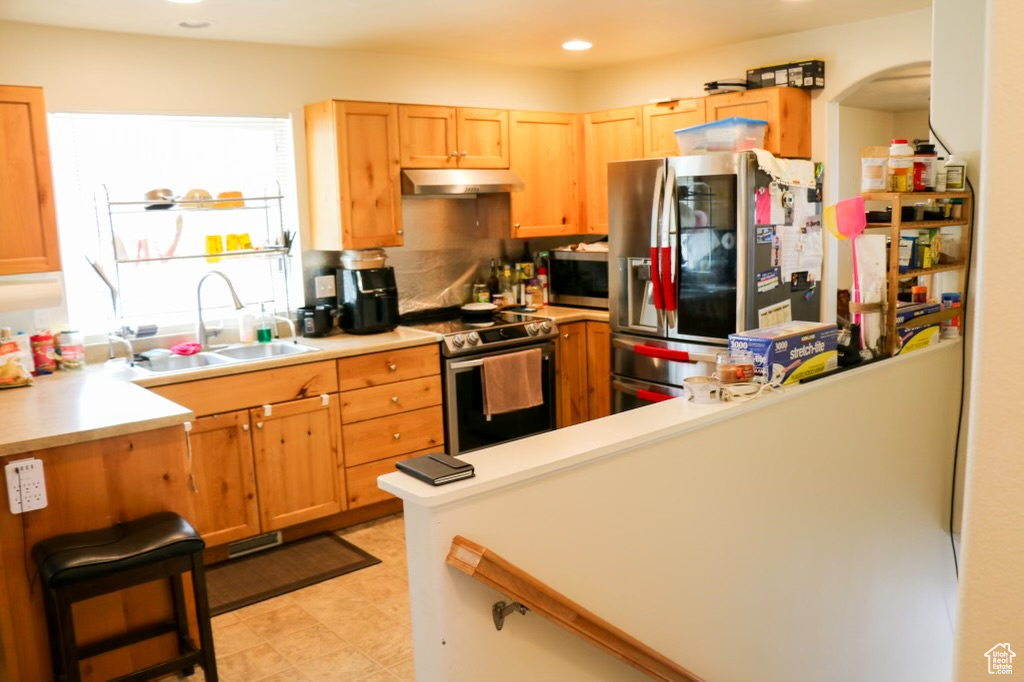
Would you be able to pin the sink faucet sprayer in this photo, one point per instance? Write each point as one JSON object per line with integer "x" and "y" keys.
{"x": 202, "y": 336}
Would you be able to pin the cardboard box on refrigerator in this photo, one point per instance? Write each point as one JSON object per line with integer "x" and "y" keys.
{"x": 796, "y": 349}
{"x": 915, "y": 338}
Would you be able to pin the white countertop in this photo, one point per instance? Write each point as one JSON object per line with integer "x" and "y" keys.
{"x": 509, "y": 463}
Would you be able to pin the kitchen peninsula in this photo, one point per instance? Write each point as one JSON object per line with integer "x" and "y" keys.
{"x": 791, "y": 527}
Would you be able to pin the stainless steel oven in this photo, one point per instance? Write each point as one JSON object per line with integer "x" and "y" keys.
{"x": 467, "y": 428}
{"x": 467, "y": 337}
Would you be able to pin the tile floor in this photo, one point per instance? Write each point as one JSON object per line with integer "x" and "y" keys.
{"x": 353, "y": 628}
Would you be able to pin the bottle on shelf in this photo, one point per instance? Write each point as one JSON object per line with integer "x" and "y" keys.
{"x": 956, "y": 174}
{"x": 900, "y": 167}
{"x": 492, "y": 281}
{"x": 940, "y": 174}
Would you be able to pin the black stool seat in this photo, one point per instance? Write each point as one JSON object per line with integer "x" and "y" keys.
{"x": 73, "y": 557}
{"x": 78, "y": 566}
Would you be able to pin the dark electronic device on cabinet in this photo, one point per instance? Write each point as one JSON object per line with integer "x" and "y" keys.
{"x": 367, "y": 300}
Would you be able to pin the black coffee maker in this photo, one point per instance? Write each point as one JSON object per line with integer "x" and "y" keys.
{"x": 367, "y": 300}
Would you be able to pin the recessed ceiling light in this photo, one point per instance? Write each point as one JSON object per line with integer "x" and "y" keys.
{"x": 195, "y": 24}
{"x": 185, "y": 2}
{"x": 576, "y": 45}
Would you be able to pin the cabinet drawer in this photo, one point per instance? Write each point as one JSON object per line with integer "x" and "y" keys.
{"x": 239, "y": 391}
{"x": 381, "y": 401}
{"x": 362, "y": 480}
{"x": 388, "y": 367}
{"x": 375, "y": 439}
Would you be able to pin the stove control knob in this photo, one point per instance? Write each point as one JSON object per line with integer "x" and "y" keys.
{"x": 545, "y": 326}
{"x": 473, "y": 338}
{"x": 531, "y": 329}
{"x": 458, "y": 341}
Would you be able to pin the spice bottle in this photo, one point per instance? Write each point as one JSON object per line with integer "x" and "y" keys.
{"x": 924, "y": 168}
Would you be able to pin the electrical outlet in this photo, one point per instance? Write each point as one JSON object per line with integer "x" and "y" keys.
{"x": 324, "y": 285}
{"x": 26, "y": 486}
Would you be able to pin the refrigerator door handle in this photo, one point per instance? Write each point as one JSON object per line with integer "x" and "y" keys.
{"x": 670, "y": 252}
{"x": 664, "y": 353}
{"x": 657, "y": 206}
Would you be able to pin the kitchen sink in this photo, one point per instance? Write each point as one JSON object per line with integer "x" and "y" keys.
{"x": 178, "y": 363}
{"x": 228, "y": 355}
{"x": 261, "y": 351}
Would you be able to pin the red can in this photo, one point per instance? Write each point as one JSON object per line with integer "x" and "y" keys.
{"x": 44, "y": 355}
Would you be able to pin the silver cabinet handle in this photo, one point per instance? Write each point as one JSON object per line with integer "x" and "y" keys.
{"x": 259, "y": 425}
{"x": 398, "y": 436}
{"x": 565, "y": 336}
{"x": 516, "y": 226}
{"x": 399, "y": 231}
{"x": 393, "y": 367}
{"x": 455, "y": 153}
{"x": 245, "y": 427}
{"x": 394, "y": 399}
{"x": 464, "y": 153}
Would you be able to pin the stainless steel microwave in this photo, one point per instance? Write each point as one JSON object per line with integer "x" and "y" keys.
{"x": 579, "y": 278}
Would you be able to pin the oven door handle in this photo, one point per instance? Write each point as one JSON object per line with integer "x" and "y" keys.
{"x": 642, "y": 393}
{"x": 479, "y": 363}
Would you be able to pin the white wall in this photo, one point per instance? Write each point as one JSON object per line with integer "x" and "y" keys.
{"x": 791, "y": 538}
{"x": 992, "y": 571}
{"x": 910, "y": 125}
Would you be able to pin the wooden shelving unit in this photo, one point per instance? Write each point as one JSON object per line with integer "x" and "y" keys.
{"x": 897, "y": 200}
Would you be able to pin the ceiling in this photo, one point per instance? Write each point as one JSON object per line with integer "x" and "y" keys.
{"x": 903, "y": 89}
{"x": 525, "y": 32}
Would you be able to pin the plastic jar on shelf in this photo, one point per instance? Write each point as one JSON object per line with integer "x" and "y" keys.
{"x": 899, "y": 170}
{"x": 71, "y": 347}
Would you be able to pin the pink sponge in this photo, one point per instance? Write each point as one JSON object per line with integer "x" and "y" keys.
{"x": 189, "y": 348}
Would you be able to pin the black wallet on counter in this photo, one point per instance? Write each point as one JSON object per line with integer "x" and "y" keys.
{"x": 436, "y": 468}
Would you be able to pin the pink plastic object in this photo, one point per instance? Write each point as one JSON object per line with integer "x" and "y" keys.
{"x": 850, "y": 216}
{"x": 188, "y": 348}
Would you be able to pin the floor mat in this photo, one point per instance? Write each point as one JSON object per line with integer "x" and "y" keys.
{"x": 249, "y": 579}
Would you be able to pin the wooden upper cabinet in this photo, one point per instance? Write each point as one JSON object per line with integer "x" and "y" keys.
{"x": 28, "y": 223}
{"x": 355, "y": 189}
{"x": 482, "y": 138}
{"x": 427, "y": 136}
{"x": 446, "y": 137}
{"x": 787, "y": 110}
{"x": 661, "y": 120}
{"x": 544, "y": 149}
{"x": 614, "y": 135}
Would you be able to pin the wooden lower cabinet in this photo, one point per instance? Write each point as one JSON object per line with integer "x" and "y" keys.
{"x": 584, "y": 372}
{"x": 297, "y": 461}
{"x": 599, "y": 369}
{"x": 226, "y": 508}
{"x": 390, "y": 411}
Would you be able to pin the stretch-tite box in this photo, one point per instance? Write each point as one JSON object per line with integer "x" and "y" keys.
{"x": 795, "y": 349}
{"x": 916, "y": 338}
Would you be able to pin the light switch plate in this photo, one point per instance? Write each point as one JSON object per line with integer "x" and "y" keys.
{"x": 324, "y": 286}
{"x": 26, "y": 487}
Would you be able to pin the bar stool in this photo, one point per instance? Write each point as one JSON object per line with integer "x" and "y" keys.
{"x": 79, "y": 566}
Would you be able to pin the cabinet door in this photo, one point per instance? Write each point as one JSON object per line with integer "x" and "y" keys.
{"x": 427, "y": 136}
{"x": 663, "y": 119}
{"x": 599, "y": 370}
{"x": 482, "y": 138}
{"x": 543, "y": 153}
{"x": 297, "y": 453}
{"x": 610, "y": 136}
{"x": 354, "y": 175}
{"x": 28, "y": 220}
{"x": 225, "y": 509}
{"x": 572, "y": 374}
{"x": 787, "y": 110}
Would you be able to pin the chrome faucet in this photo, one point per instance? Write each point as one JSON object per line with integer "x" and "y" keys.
{"x": 202, "y": 335}
{"x": 291, "y": 326}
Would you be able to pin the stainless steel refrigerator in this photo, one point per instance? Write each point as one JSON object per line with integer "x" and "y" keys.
{"x": 701, "y": 247}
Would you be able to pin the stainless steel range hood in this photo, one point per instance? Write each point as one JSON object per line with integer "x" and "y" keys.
{"x": 442, "y": 182}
